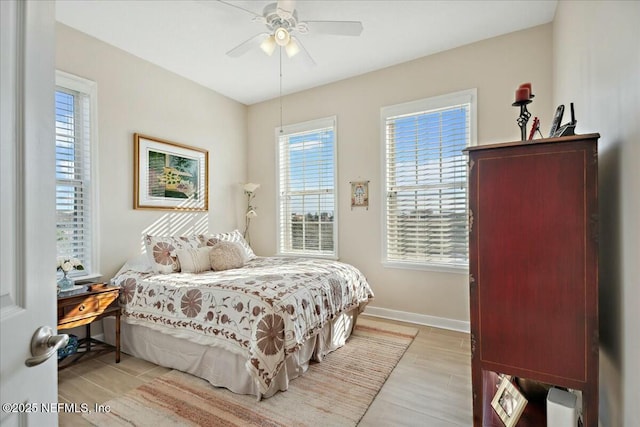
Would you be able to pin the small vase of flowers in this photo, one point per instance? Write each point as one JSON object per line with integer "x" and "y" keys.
{"x": 66, "y": 265}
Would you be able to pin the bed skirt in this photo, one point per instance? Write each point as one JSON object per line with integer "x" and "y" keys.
{"x": 221, "y": 367}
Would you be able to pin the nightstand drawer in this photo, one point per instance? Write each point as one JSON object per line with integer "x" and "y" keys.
{"x": 84, "y": 308}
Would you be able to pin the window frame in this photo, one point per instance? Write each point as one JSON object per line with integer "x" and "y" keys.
{"x": 468, "y": 96}
{"x": 307, "y": 126}
{"x": 89, "y": 88}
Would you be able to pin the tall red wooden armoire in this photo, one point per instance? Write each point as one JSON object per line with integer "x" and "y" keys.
{"x": 533, "y": 247}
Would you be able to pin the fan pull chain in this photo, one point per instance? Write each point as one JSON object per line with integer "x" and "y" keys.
{"x": 280, "y": 94}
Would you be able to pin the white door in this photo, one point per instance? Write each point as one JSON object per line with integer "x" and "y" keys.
{"x": 27, "y": 209}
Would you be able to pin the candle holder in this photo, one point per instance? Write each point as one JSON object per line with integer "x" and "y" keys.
{"x": 524, "y": 117}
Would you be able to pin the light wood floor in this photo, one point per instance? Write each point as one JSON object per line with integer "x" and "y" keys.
{"x": 431, "y": 386}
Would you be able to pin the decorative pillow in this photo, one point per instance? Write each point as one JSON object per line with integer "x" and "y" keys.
{"x": 234, "y": 236}
{"x": 194, "y": 260}
{"x": 161, "y": 251}
{"x": 226, "y": 255}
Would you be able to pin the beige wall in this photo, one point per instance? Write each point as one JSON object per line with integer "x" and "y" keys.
{"x": 590, "y": 56}
{"x": 136, "y": 96}
{"x": 495, "y": 67}
{"x": 597, "y": 66}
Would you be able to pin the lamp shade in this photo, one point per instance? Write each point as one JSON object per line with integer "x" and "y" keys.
{"x": 250, "y": 187}
{"x": 292, "y": 48}
{"x": 268, "y": 45}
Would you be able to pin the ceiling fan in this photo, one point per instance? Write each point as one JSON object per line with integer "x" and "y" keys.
{"x": 281, "y": 20}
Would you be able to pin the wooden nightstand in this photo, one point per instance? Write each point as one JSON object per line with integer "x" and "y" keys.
{"x": 77, "y": 308}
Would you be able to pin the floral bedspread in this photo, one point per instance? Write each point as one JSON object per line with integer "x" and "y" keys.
{"x": 264, "y": 310}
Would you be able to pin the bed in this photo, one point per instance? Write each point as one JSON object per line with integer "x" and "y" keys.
{"x": 250, "y": 329}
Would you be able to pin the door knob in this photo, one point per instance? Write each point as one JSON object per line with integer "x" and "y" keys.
{"x": 44, "y": 345}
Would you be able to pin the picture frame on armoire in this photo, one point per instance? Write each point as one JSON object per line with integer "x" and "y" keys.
{"x": 508, "y": 402}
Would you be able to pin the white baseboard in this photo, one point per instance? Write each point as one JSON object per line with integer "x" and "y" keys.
{"x": 420, "y": 319}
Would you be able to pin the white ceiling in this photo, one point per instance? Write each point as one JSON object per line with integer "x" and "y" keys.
{"x": 191, "y": 37}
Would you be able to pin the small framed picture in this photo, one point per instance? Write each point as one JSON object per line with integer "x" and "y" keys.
{"x": 360, "y": 194}
{"x": 508, "y": 402}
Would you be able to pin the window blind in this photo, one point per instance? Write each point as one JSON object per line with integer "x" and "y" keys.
{"x": 73, "y": 175}
{"x": 307, "y": 182}
{"x": 426, "y": 186}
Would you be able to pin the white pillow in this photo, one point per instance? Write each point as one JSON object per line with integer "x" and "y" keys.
{"x": 139, "y": 264}
{"x": 194, "y": 260}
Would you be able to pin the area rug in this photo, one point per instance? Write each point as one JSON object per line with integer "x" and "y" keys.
{"x": 336, "y": 392}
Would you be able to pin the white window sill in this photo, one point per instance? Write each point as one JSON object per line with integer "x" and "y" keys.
{"x": 439, "y": 268}
{"x": 307, "y": 255}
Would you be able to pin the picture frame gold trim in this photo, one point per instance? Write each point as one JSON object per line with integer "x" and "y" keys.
{"x": 169, "y": 175}
{"x": 508, "y": 402}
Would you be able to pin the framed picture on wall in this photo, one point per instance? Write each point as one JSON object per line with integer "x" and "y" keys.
{"x": 359, "y": 194}
{"x": 169, "y": 175}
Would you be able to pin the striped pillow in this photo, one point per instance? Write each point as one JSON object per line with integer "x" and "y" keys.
{"x": 194, "y": 260}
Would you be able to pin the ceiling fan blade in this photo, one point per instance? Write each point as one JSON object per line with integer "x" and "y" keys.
{"x": 285, "y": 8}
{"x": 338, "y": 28}
{"x": 305, "y": 54}
{"x": 255, "y": 15}
{"x": 246, "y": 46}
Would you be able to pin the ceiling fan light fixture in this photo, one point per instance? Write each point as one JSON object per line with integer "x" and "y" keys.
{"x": 268, "y": 45}
{"x": 281, "y": 20}
{"x": 282, "y": 36}
{"x": 292, "y": 48}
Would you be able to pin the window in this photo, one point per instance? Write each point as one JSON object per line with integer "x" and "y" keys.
{"x": 75, "y": 186}
{"x": 425, "y": 181}
{"x": 307, "y": 223}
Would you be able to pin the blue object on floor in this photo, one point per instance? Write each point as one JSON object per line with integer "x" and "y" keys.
{"x": 70, "y": 348}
